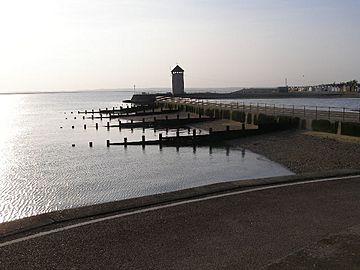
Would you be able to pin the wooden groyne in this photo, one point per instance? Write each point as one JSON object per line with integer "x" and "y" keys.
{"x": 213, "y": 138}
{"x": 158, "y": 123}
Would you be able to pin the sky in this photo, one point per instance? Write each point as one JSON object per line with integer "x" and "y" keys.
{"x": 53, "y": 45}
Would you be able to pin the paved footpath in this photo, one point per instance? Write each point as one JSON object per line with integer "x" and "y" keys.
{"x": 304, "y": 226}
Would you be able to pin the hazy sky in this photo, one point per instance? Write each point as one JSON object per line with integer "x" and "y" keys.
{"x": 89, "y": 44}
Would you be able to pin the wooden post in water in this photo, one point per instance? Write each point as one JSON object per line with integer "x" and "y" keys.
{"x": 143, "y": 140}
{"x": 143, "y": 120}
{"x": 92, "y": 117}
{"x": 125, "y": 142}
{"x": 84, "y": 126}
{"x": 227, "y": 128}
{"x": 194, "y": 133}
{"x": 83, "y": 117}
{"x": 85, "y": 111}
{"x": 160, "y": 138}
{"x": 154, "y": 119}
{"x": 243, "y": 126}
{"x": 166, "y": 117}
{"x": 177, "y": 117}
{"x": 188, "y": 115}
{"x": 107, "y": 143}
{"x": 97, "y": 126}
{"x": 90, "y": 144}
{"x": 108, "y": 125}
{"x": 177, "y": 133}
{"x": 210, "y": 131}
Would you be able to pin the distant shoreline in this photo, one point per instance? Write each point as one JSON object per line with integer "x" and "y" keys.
{"x": 64, "y": 92}
{"x": 242, "y": 95}
{"x": 204, "y": 94}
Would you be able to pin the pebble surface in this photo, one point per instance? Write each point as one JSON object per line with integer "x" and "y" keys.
{"x": 304, "y": 153}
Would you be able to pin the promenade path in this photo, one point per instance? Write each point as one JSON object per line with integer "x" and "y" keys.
{"x": 305, "y": 224}
{"x": 303, "y": 112}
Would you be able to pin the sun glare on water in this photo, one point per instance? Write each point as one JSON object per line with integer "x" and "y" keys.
{"x": 9, "y": 110}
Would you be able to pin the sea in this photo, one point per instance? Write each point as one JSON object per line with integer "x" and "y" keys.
{"x": 41, "y": 171}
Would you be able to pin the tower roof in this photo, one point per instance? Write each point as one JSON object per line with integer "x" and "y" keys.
{"x": 177, "y": 69}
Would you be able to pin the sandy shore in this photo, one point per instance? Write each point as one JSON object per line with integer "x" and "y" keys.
{"x": 304, "y": 151}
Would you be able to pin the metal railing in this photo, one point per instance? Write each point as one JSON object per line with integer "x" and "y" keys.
{"x": 301, "y": 111}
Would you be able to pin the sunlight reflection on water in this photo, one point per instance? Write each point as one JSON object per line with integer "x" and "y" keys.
{"x": 41, "y": 172}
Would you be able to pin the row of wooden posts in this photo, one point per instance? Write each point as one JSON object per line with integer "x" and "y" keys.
{"x": 143, "y": 139}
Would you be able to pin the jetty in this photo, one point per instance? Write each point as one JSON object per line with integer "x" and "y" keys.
{"x": 344, "y": 121}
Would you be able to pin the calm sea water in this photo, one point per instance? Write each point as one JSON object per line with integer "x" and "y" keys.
{"x": 41, "y": 172}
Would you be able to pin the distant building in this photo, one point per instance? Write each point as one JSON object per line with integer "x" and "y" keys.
{"x": 178, "y": 81}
